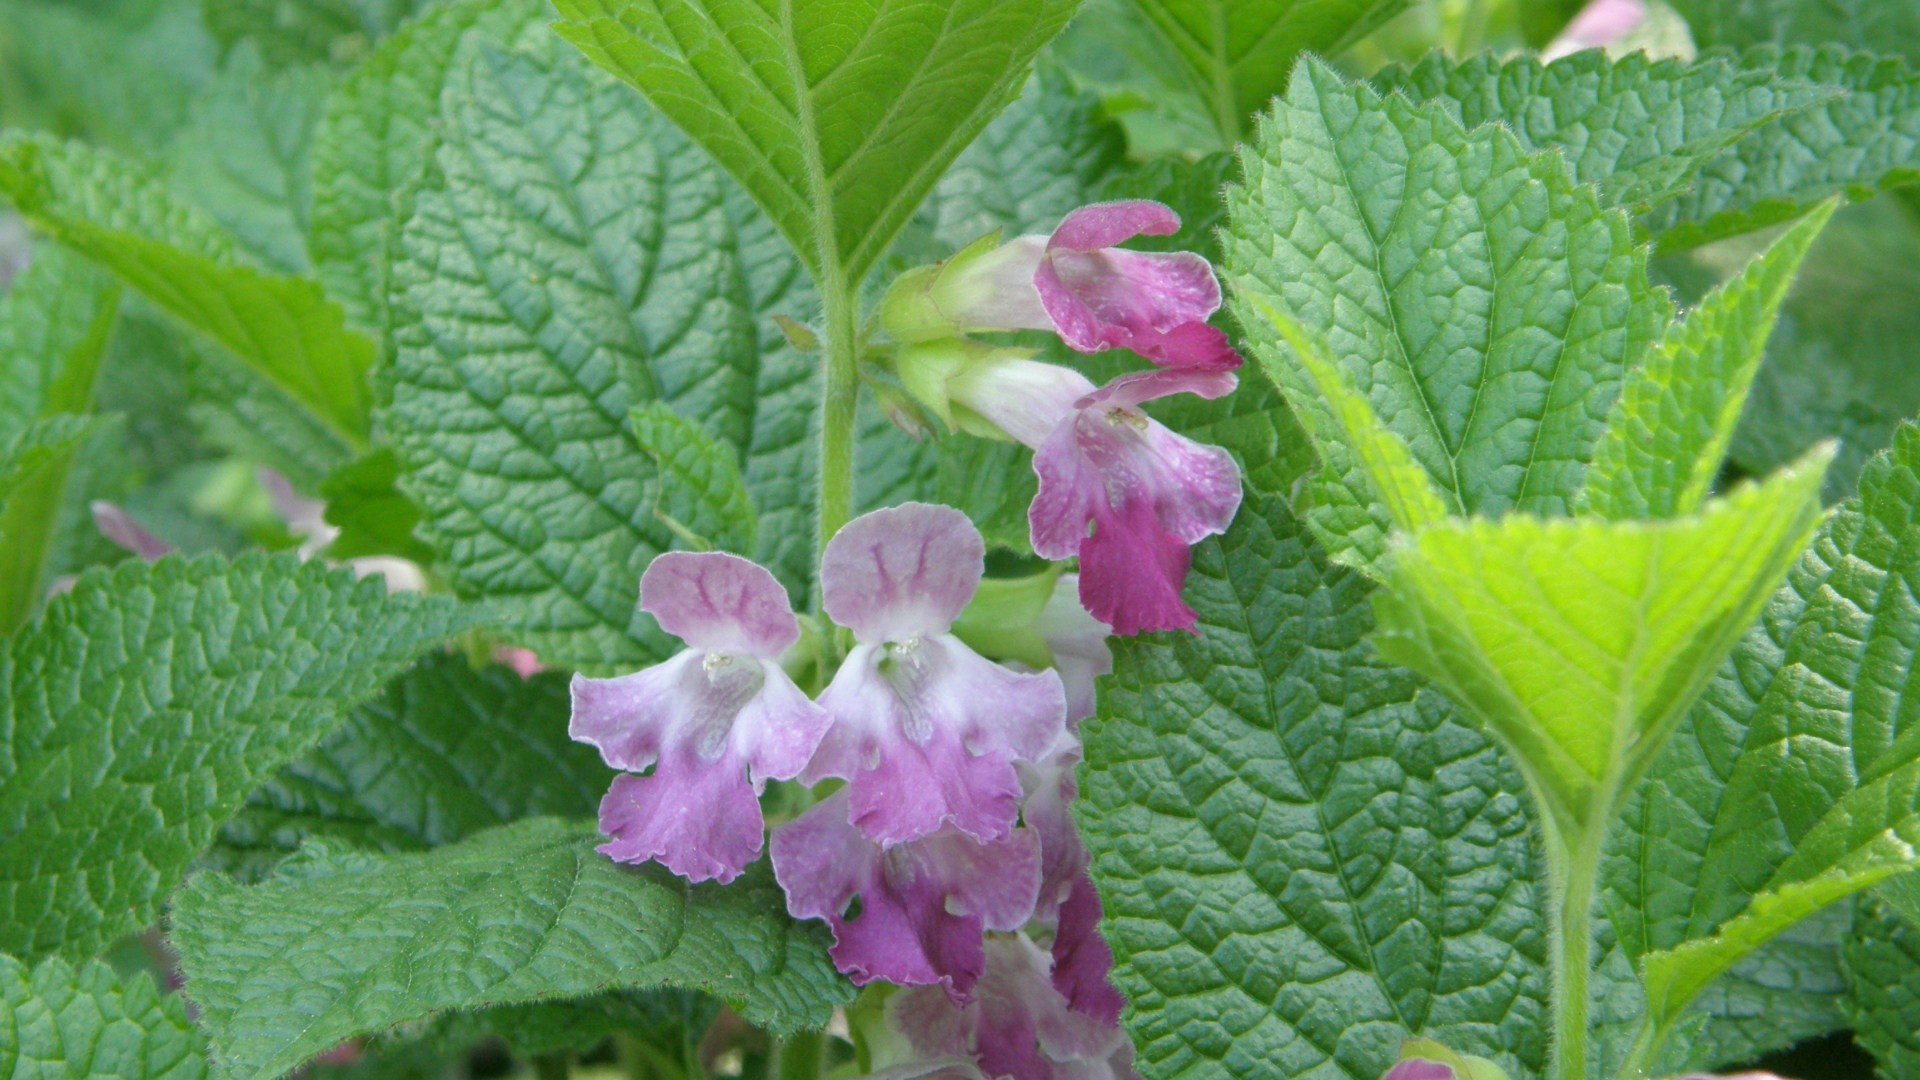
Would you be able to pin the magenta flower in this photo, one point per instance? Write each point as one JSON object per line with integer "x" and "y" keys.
{"x": 924, "y": 906}
{"x": 1128, "y": 497}
{"x": 1420, "y": 1070}
{"x": 1082, "y": 959}
{"x": 715, "y": 722}
{"x": 120, "y": 528}
{"x": 925, "y": 731}
{"x": 1017, "y": 1024}
{"x": 1079, "y": 284}
{"x": 1050, "y": 788}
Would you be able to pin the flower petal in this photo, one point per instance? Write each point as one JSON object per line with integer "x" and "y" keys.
{"x": 1078, "y": 642}
{"x": 927, "y": 734}
{"x": 1419, "y": 1070}
{"x": 1082, "y": 960}
{"x": 1105, "y": 225}
{"x": 717, "y": 602}
{"x": 627, "y": 719}
{"x": 778, "y": 731}
{"x": 904, "y": 571}
{"x": 1132, "y": 572}
{"x": 699, "y": 818}
{"x": 1129, "y": 391}
{"x": 1050, "y": 788}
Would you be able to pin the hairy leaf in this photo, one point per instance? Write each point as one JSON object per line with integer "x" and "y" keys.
{"x": 576, "y": 257}
{"x": 1882, "y": 1002}
{"x": 1305, "y": 856}
{"x": 60, "y": 1020}
{"x": 342, "y": 944}
{"x": 700, "y": 490}
{"x": 1868, "y": 24}
{"x": 143, "y": 708}
{"x": 839, "y": 116}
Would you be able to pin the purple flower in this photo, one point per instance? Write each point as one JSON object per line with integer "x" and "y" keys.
{"x": 1017, "y": 1024}
{"x": 1420, "y": 1070}
{"x": 1079, "y": 284}
{"x": 924, "y": 906}
{"x": 128, "y": 535}
{"x": 1603, "y": 23}
{"x": 716, "y": 722}
{"x": 1128, "y": 497}
{"x": 925, "y": 731}
{"x": 1078, "y": 642}
{"x": 1050, "y": 789}
{"x": 1082, "y": 959}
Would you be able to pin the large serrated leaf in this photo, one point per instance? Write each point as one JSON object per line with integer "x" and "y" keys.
{"x": 1812, "y": 706}
{"x": 1305, "y": 856}
{"x": 1582, "y": 643}
{"x": 839, "y": 116}
{"x": 574, "y": 258}
{"x": 342, "y": 944}
{"x": 306, "y": 31}
{"x": 1882, "y": 1002}
{"x": 1639, "y": 128}
{"x": 1485, "y": 304}
{"x": 120, "y": 215}
{"x": 141, "y": 709}
{"x": 1870, "y": 24}
{"x": 59, "y": 1020}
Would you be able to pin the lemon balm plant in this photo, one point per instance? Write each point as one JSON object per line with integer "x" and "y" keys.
{"x": 957, "y": 538}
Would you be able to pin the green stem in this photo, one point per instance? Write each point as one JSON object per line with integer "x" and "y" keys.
{"x": 1574, "y": 858}
{"x": 837, "y": 403}
{"x": 801, "y": 1057}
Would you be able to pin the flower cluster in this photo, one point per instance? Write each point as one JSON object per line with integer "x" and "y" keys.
{"x": 951, "y": 825}
{"x": 1118, "y": 490}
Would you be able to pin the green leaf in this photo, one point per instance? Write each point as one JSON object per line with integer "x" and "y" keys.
{"x": 1866, "y": 24}
{"x": 54, "y": 327}
{"x": 1810, "y": 708}
{"x": 242, "y": 156}
{"x": 58, "y": 1020}
{"x": 1306, "y": 857}
{"x": 839, "y": 116}
{"x": 576, "y": 257}
{"x": 147, "y": 704}
{"x": 1582, "y": 643}
{"x": 700, "y": 492}
{"x": 119, "y": 215}
{"x": 306, "y": 31}
{"x": 1882, "y": 1002}
{"x": 1639, "y": 128}
{"x": 341, "y": 944}
{"x": 445, "y": 751}
{"x": 1234, "y": 55}
{"x": 1857, "y": 145}
{"x": 41, "y": 445}
{"x": 375, "y": 142}
{"x": 1668, "y": 436}
{"x": 364, "y": 502}
{"x": 1486, "y": 304}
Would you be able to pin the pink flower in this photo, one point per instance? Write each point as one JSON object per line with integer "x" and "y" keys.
{"x": 924, "y": 905}
{"x": 1601, "y": 24}
{"x": 1128, "y": 497}
{"x": 1050, "y": 788}
{"x": 128, "y": 535}
{"x": 715, "y": 722}
{"x": 925, "y": 731}
{"x": 1017, "y": 1024}
{"x": 1079, "y": 284}
{"x": 1420, "y": 1070}
{"x": 1082, "y": 959}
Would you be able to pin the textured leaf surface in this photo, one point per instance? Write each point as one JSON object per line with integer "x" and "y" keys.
{"x": 1857, "y": 145}
{"x": 57, "y": 1020}
{"x": 144, "y": 707}
{"x": 1882, "y": 958}
{"x": 700, "y": 489}
{"x": 839, "y": 116}
{"x": 577, "y": 257}
{"x": 1869, "y": 24}
{"x": 364, "y": 502}
{"x": 1582, "y": 643}
{"x": 1305, "y": 856}
{"x": 1235, "y": 55}
{"x": 1486, "y": 305}
{"x": 119, "y": 215}
{"x": 1815, "y": 704}
{"x": 342, "y": 944}
{"x": 445, "y": 751}
{"x": 306, "y": 31}
{"x": 1668, "y": 436}
{"x": 1637, "y": 127}
{"x": 33, "y": 449}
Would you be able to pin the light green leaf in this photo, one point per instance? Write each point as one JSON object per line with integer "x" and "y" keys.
{"x": 364, "y": 502}
{"x": 1637, "y": 127}
{"x": 143, "y": 708}
{"x": 1582, "y": 643}
{"x": 1858, "y": 145}
{"x": 574, "y": 258}
{"x": 1867, "y": 24}
{"x": 341, "y": 944}
{"x": 57, "y": 1020}
{"x": 120, "y": 216}
{"x": 1306, "y": 857}
{"x": 699, "y": 487}
{"x": 375, "y": 142}
{"x": 41, "y": 444}
{"x": 1882, "y": 999}
{"x": 838, "y": 116}
{"x": 243, "y": 156}
{"x": 1485, "y": 304}
{"x": 445, "y": 751}
{"x": 306, "y": 31}
{"x": 1234, "y": 55}
{"x": 1668, "y": 436}
{"x": 1816, "y": 703}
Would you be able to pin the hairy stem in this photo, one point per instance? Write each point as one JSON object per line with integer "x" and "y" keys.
{"x": 1572, "y": 929}
{"x": 838, "y": 399}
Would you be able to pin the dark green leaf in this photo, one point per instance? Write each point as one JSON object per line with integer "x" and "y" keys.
{"x": 57, "y": 1020}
